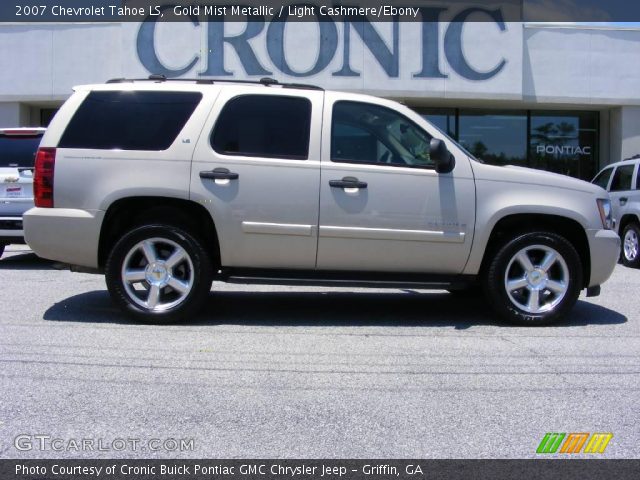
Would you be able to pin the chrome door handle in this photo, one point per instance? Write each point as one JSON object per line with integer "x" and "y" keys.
{"x": 219, "y": 174}
{"x": 347, "y": 182}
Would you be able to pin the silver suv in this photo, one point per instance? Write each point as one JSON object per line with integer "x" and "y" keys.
{"x": 622, "y": 181}
{"x": 18, "y": 148}
{"x": 167, "y": 185}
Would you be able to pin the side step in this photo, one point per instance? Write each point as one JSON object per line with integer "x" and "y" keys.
{"x": 346, "y": 279}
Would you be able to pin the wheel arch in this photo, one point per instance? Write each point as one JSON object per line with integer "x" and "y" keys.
{"x": 128, "y": 212}
{"x": 626, "y": 219}
{"x": 508, "y": 226}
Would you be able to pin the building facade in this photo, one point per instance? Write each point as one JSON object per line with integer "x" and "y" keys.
{"x": 559, "y": 98}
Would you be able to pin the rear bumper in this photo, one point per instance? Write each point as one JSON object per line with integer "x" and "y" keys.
{"x": 65, "y": 235}
{"x": 604, "y": 246}
{"x": 11, "y": 229}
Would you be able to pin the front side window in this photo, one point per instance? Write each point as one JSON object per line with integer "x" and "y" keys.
{"x": 270, "y": 126}
{"x": 602, "y": 179}
{"x": 622, "y": 178}
{"x": 371, "y": 134}
{"x": 129, "y": 120}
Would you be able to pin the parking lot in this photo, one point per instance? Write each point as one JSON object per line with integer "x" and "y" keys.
{"x": 310, "y": 372}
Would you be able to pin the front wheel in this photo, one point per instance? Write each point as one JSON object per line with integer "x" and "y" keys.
{"x": 631, "y": 246}
{"x": 534, "y": 279}
{"x": 159, "y": 274}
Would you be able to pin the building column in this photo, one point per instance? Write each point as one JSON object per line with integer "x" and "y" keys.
{"x": 624, "y": 133}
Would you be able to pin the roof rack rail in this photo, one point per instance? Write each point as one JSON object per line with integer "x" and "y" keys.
{"x": 636, "y": 156}
{"x": 266, "y": 81}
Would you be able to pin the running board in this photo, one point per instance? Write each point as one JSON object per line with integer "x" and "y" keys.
{"x": 346, "y": 279}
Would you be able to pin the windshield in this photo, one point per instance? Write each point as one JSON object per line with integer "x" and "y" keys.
{"x": 18, "y": 150}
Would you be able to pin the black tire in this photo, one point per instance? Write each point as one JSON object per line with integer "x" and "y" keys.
{"x": 2, "y": 248}
{"x": 566, "y": 272}
{"x": 631, "y": 256}
{"x": 195, "y": 270}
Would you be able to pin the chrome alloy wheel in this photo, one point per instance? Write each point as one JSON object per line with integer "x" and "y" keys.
{"x": 630, "y": 245}
{"x": 536, "y": 279}
{"x": 157, "y": 274}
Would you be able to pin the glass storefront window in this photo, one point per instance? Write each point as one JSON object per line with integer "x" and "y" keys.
{"x": 443, "y": 118}
{"x": 558, "y": 141}
{"x": 565, "y": 142}
{"x": 496, "y": 137}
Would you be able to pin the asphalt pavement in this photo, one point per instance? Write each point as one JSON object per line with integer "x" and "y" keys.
{"x": 272, "y": 372}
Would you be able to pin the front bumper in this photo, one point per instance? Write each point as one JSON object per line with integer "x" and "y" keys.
{"x": 604, "y": 246}
{"x": 64, "y": 234}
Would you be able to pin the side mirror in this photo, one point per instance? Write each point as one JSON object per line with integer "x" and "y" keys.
{"x": 441, "y": 156}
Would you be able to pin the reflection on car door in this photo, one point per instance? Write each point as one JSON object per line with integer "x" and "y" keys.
{"x": 383, "y": 207}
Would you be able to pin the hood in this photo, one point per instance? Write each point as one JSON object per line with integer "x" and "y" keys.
{"x": 530, "y": 176}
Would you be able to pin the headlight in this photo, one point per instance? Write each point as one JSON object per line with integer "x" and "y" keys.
{"x": 604, "y": 207}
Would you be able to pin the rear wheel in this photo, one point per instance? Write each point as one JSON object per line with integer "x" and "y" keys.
{"x": 159, "y": 274}
{"x": 631, "y": 245}
{"x": 534, "y": 279}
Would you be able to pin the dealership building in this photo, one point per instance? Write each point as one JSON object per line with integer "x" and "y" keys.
{"x": 563, "y": 98}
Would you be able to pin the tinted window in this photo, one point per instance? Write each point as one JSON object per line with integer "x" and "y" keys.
{"x": 129, "y": 120}
{"x": 622, "y": 178}
{"x": 443, "y": 118}
{"x": 565, "y": 142}
{"x": 264, "y": 126}
{"x": 365, "y": 133}
{"x": 602, "y": 179}
{"x": 496, "y": 137}
{"x": 18, "y": 151}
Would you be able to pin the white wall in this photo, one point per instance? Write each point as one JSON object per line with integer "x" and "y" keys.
{"x": 14, "y": 114}
{"x": 588, "y": 66}
{"x": 43, "y": 62}
{"x": 581, "y": 66}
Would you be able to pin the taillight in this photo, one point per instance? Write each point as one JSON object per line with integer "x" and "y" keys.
{"x": 43, "y": 177}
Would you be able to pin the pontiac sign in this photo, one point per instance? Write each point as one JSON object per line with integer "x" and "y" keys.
{"x": 266, "y": 47}
{"x": 564, "y": 149}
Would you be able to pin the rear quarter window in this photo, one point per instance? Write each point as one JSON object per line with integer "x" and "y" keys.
{"x": 128, "y": 120}
{"x": 19, "y": 150}
{"x": 270, "y": 126}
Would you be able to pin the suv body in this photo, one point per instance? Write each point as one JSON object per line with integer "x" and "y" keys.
{"x": 622, "y": 181}
{"x": 18, "y": 148}
{"x": 177, "y": 183}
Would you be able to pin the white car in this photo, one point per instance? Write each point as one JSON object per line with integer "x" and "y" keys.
{"x": 622, "y": 181}
{"x": 166, "y": 185}
{"x": 18, "y": 148}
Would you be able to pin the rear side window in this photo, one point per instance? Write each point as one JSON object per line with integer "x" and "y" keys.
{"x": 18, "y": 150}
{"x": 622, "y": 178}
{"x": 602, "y": 179}
{"x": 129, "y": 120}
{"x": 269, "y": 126}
